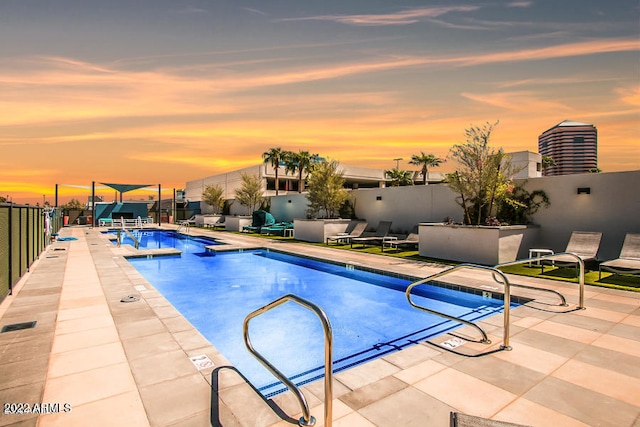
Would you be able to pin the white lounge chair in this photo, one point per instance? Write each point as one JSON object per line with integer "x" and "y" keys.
{"x": 583, "y": 244}
{"x": 357, "y": 231}
{"x": 629, "y": 260}
{"x": 412, "y": 239}
{"x": 381, "y": 232}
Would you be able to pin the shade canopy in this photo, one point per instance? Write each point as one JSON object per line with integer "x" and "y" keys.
{"x": 123, "y": 188}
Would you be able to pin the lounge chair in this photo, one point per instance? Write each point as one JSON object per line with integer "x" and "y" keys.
{"x": 260, "y": 219}
{"x": 629, "y": 260}
{"x": 276, "y": 229}
{"x": 381, "y": 232}
{"x": 412, "y": 239}
{"x": 190, "y": 221}
{"x": 584, "y": 244}
{"x": 357, "y": 231}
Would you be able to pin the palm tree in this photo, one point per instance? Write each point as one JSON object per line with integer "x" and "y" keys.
{"x": 426, "y": 161}
{"x": 399, "y": 177}
{"x": 300, "y": 162}
{"x": 274, "y": 156}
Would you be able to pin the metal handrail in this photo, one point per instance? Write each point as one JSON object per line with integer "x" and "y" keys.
{"x": 136, "y": 243}
{"x": 183, "y": 225}
{"x": 507, "y": 301}
{"x": 551, "y": 257}
{"x": 307, "y": 419}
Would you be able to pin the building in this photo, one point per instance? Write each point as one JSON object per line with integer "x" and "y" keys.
{"x": 572, "y": 145}
{"x": 527, "y": 164}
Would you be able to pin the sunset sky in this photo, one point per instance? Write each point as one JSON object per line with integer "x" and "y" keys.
{"x": 168, "y": 91}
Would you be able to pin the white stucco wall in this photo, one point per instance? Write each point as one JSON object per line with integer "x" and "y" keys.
{"x": 613, "y": 207}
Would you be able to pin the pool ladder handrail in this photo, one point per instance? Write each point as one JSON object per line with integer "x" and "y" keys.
{"x": 183, "y": 225}
{"x": 307, "y": 419}
{"x": 136, "y": 243}
{"x": 507, "y": 302}
{"x": 579, "y": 260}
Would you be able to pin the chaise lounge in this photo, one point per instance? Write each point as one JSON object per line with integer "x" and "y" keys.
{"x": 412, "y": 239}
{"x": 629, "y": 260}
{"x": 356, "y": 231}
{"x": 583, "y": 244}
{"x": 381, "y": 232}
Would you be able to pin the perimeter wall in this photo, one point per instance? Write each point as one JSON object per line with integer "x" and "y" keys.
{"x": 22, "y": 239}
{"x": 611, "y": 207}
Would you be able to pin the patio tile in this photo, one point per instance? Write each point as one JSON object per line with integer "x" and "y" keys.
{"x": 623, "y": 345}
{"x": 550, "y": 343}
{"x": 85, "y": 359}
{"x": 84, "y": 324}
{"x": 466, "y": 393}
{"x": 122, "y": 410}
{"x": 246, "y": 405}
{"x": 610, "y": 359}
{"x": 565, "y": 331}
{"x": 150, "y": 345}
{"x": 408, "y": 408}
{"x": 161, "y": 367}
{"x": 598, "y": 313}
{"x": 21, "y": 394}
{"x": 140, "y": 328}
{"x": 587, "y": 406}
{"x": 532, "y": 358}
{"x": 511, "y": 377}
{"x": 89, "y": 386}
{"x": 523, "y": 411}
{"x": 610, "y": 383}
{"x": 632, "y": 320}
{"x": 23, "y": 372}
{"x": 83, "y": 339}
{"x": 367, "y": 373}
{"x": 419, "y": 372}
{"x": 411, "y": 356}
{"x": 353, "y": 420}
{"x": 373, "y": 392}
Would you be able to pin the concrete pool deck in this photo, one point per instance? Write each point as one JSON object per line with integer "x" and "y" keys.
{"x": 94, "y": 360}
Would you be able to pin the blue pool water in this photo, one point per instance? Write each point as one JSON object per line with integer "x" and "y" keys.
{"x": 369, "y": 313}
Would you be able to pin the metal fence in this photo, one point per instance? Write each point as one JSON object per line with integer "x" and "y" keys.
{"x": 22, "y": 240}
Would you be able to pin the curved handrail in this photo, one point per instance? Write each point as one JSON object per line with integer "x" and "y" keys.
{"x": 507, "y": 300}
{"x": 551, "y": 257}
{"x": 307, "y": 419}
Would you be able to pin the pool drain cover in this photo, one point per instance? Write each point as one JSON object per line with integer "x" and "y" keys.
{"x": 18, "y": 326}
{"x": 130, "y": 298}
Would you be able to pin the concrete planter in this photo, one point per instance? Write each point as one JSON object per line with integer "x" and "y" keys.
{"x": 476, "y": 244}
{"x": 317, "y": 230}
{"x": 235, "y": 223}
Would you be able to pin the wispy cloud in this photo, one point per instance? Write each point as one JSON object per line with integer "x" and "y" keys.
{"x": 520, "y": 4}
{"x": 256, "y": 11}
{"x": 405, "y": 17}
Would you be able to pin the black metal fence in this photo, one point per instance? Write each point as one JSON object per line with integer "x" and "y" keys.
{"x": 22, "y": 240}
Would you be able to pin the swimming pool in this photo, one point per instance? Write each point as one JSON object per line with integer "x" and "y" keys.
{"x": 368, "y": 312}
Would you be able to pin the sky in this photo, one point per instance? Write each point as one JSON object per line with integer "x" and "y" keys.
{"x": 168, "y": 91}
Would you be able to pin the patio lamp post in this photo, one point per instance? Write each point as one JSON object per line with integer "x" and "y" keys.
{"x": 397, "y": 160}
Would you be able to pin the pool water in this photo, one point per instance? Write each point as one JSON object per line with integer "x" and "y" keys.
{"x": 369, "y": 313}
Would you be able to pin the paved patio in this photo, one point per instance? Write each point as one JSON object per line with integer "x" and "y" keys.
{"x": 94, "y": 360}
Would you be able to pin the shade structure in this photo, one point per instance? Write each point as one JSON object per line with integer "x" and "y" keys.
{"x": 123, "y": 188}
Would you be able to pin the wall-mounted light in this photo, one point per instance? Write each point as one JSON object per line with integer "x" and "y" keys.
{"x": 584, "y": 190}
{"x": 378, "y": 197}
{"x": 289, "y": 201}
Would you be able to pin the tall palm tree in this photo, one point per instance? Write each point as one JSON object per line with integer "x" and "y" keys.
{"x": 399, "y": 177}
{"x": 300, "y": 162}
{"x": 426, "y": 161}
{"x": 274, "y": 156}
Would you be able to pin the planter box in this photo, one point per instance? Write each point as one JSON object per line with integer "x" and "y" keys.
{"x": 235, "y": 223}
{"x": 476, "y": 244}
{"x": 317, "y": 230}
